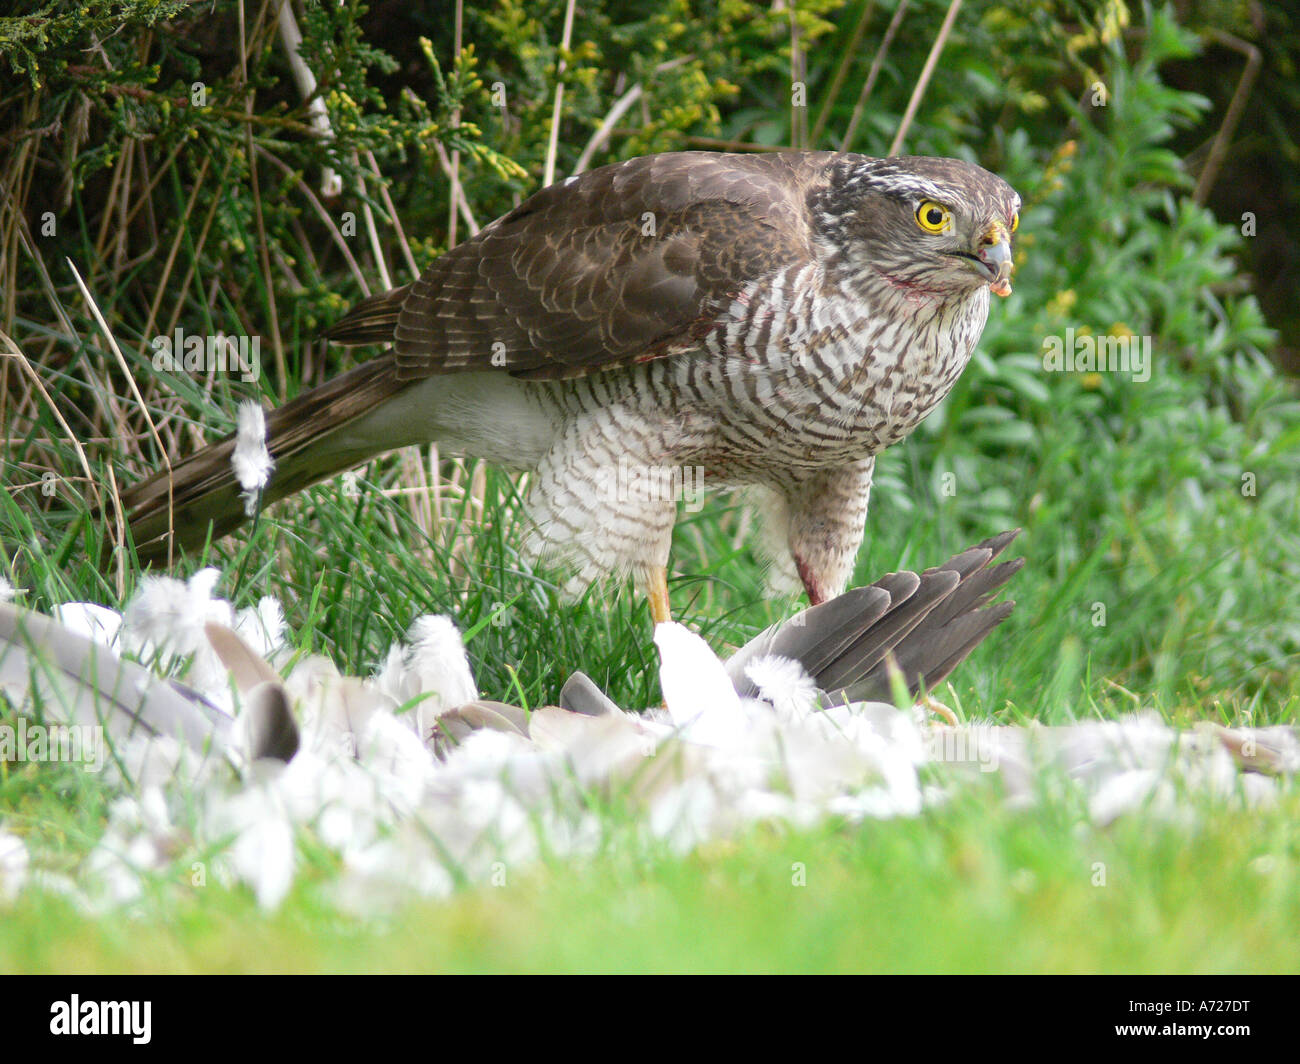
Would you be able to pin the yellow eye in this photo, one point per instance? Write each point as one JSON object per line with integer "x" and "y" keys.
{"x": 933, "y": 217}
{"x": 1015, "y": 221}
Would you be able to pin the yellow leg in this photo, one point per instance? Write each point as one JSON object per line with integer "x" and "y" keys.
{"x": 657, "y": 592}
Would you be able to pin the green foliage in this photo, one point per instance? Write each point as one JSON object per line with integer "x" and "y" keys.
{"x": 42, "y": 40}
{"x": 1169, "y": 479}
{"x": 1172, "y": 503}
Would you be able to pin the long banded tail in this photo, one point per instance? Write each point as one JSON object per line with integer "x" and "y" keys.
{"x": 178, "y": 507}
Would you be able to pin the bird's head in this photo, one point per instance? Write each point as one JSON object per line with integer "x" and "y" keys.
{"x": 931, "y": 226}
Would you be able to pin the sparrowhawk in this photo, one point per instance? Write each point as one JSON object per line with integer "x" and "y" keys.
{"x": 769, "y": 320}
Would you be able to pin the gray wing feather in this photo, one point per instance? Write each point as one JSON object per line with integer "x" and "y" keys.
{"x": 83, "y": 682}
{"x": 581, "y": 695}
{"x": 929, "y": 623}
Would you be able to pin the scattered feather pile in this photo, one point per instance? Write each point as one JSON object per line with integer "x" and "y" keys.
{"x": 418, "y": 784}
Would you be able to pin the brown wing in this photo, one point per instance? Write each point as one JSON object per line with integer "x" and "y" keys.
{"x": 624, "y": 264}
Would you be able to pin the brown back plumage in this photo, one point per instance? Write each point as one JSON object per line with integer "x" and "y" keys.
{"x": 624, "y": 264}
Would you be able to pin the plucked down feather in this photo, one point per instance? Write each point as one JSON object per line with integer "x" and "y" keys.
{"x": 418, "y": 806}
{"x": 928, "y": 622}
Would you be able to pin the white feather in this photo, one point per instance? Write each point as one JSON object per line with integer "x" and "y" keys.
{"x": 91, "y": 620}
{"x": 699, "y": 694}
{"x": 250, "y": 458}
{"x": 784, "y": 683}
{"x": 14, "y": 863}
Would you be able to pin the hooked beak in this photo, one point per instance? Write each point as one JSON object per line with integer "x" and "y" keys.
{"x": 993, "y": 260}
{"x": 995, "y": 257}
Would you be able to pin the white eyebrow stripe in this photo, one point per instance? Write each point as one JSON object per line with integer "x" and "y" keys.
{"x": 914, "y": 188}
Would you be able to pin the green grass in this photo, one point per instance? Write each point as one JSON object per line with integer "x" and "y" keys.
{"x": 1161, "y": 535}
{"x": 973, "y": 887}
{"x": 970, "y": 888}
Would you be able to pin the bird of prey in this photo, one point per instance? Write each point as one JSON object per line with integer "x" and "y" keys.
{"x": 771, "y": 321}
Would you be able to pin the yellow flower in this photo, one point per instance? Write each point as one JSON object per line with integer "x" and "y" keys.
{"x": 1061, "y": 303}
